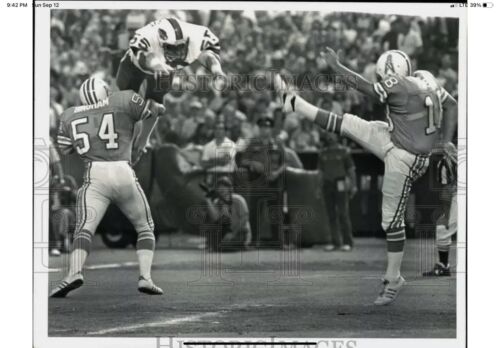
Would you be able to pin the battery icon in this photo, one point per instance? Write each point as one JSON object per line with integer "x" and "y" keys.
{"x": 487, "y": 4}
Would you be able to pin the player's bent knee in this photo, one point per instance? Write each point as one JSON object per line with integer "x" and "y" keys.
{"x": 146, "y": 240}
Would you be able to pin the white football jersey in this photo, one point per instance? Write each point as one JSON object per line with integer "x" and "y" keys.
{"x": 154, "y": 36}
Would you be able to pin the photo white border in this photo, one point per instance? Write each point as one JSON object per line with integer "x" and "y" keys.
{"x": 41, "y": 126}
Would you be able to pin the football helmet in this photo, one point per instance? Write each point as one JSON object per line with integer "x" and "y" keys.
{"x": 93, "y": 90}
{"x": 393, "y": 62}
{"x": 428, "y": 78}
{"x": 173, "y": 41}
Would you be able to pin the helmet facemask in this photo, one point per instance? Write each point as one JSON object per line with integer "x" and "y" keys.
{"x": 174, "y": 52}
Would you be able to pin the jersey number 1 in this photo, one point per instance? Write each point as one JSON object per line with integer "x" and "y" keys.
{"x": 106, "y": 133}
{"x": 434, "y": 119}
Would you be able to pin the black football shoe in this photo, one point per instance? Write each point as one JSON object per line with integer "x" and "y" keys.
{"x": 70, "y": 283}
{"x": 439, "y": 270}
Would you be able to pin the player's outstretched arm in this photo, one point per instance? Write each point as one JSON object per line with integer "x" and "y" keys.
{"x": 351, "y": 78}
{"x": 211, "y": 61}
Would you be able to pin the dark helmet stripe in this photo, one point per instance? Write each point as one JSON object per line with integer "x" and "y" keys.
{"x": 87, "y": 88}
{"x": 85, "y": 92}
{"x": 407, "y": 60}
{"x": 177, "y": 28}
{"x": 93, "y": 93}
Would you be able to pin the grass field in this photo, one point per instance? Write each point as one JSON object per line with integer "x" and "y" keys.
{"x": 258, "y": 293}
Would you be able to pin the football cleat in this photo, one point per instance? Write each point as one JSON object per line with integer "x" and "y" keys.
{"x": 69, "y": 283}
{"x": 389, "y": 292}
{"x": 287, "y": 96}
{"x": 329, "y": 247}
{"x": 346, "y": 247}
{"x": 439, "y": 270}
{"x": 147, "y": 286}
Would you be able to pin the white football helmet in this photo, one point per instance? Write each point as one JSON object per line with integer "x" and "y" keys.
{"x": 173, "y": 40}
{"x": 393, "y": 62}
{"x": 93, "y": 90}
{"x": 428, "y": 78}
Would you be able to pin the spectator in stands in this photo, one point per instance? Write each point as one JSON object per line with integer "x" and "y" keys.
{"x": 339, "y": 186}
{"x": 412, "y": 41}
{"x": 205, "y": 130}
{"x": 292, "y": 160}
{"x": 218, "y": 157}
{"x": 264, "y": 159}
{"x": 195, "y": 117}
{"x": 86, "y": 43}
{"x": 448, "y": 74}
{"x": 306, "y": 138}
{"x": 228, "y": 212}
{"x": 394, "y": 37}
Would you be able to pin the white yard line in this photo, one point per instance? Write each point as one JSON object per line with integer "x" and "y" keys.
{"x": 161, "y": 323}
{"x": 176, "y": 321}
{"x": 111, "y": 265}
{"x": 102, "y": 266}
{"x": 50, "y": 270}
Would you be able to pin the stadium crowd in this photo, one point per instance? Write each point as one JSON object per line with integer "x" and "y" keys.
{"x": 91, "y": 43}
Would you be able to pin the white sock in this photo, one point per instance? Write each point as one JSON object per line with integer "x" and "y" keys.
{"x": 305, "y": 109}
{"x": 394, "y": 261}
{"x": 76, "y": 261}
{"x": 145, "y": 258}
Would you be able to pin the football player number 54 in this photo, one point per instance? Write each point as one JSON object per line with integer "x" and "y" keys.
{"x": 106, "y": 133}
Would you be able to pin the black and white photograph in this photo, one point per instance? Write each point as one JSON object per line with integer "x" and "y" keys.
{"x": 249, "y": 172}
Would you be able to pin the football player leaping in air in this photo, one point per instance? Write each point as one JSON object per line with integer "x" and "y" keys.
{"x": 404, "y": 142}
{"x": 101, "y": 133}
{"x": 155, "y": 53}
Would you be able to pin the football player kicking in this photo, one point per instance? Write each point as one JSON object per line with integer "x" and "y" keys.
{"x": 101, "y": 133}
{"x": 155, "y": 53}
{"x": 404, "y": 142}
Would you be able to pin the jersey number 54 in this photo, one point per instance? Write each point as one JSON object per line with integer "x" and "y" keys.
{"x": 106, "y": 133}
